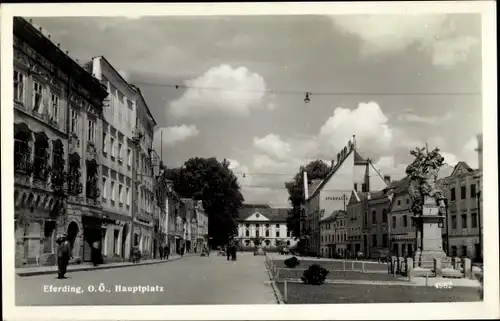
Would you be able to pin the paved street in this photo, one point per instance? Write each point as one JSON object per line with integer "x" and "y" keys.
{"x": 190, "y": 280}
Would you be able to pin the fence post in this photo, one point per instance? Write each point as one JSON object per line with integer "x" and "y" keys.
{"x": 345, "y": 266}
{"x": 363, "y": 267}
{"x": 353, "y": 265}
{"x": 426, "y": 278}
{"x": 286, "y": 291}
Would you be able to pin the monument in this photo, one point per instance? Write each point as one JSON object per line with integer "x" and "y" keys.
{"x": 427, "y": 206}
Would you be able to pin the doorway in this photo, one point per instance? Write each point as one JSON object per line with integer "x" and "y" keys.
{"x": 72, "y": 233}
{"x": 124, "y": 241}
{"x": 90, "y": 235}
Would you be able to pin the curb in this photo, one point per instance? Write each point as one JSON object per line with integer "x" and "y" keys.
{"x": 93, "y": 268}
{"x": 277, "y": 293}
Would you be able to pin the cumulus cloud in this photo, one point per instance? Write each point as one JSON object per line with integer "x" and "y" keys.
{"x": 272, "y": 144}
{"x": 449, "y": 158}
{"x": 387, "y": 166}
{"x": 432, "y": 120}
{"x": 222, "y": 89}
{"x": 175, "y": 134}
{"x": 387, "y": 34}
{"x": 367, "y": 122}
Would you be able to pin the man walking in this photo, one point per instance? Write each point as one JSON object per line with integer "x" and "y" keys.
{"x": 63, "y": 256}
{"x": 166, "y": 251}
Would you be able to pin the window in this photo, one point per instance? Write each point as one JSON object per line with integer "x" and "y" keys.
{"x": 127, "y": 191}
{"x": 452, "y": 194}
{"x": 363, "y": 188}
{"x": 112, "y": 145}
{"x": 464, "y": 221}
{"x": 374, "y": 217}
{"x": 287, "y": 232}
{"x": 394, "y": 222}
{"x": 473, "y": 220}
{"x": 247, "y": 233}
{"x": 129, "y": 157}
{"x": 104, "y": 188}
{"x": 374, "y": 240}
{"x": 247, "y": 225}
{"x": 463, "y": 192}
{"x": 74, "y": 121}
{"x": 385, "y": 239}
{"x": 104, "y": 142}
{"x": 267, "y": 233}
{"x": 399, "y": 202}
{"x": 473, "y": 193}
{"x": 120, "y": 152}
{"x": 384, "y": 216}
{"x": 366, "y": 218}
{"x": 405, "y": 221}
{"x": 54, "y": 103}
{"x": 91, "y": 131}
{"x": 407, "y": 201}
{"x": 453, "y": 222}
{"x": 277, "y": 226}
{"x": 113, "y": 191}
{"x": 356, "y": 186}
{"x": 37, "y": 97}
{"x": 120, "y": 194}
{"x": 18, "y": 86}
{"x": 277, "y": 233}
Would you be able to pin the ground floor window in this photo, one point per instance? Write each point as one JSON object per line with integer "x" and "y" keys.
{"x": 48, "y": 240}
{"x": 116, "y": 240}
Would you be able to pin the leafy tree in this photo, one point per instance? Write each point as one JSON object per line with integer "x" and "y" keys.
{"x": 216, "y": 185}
{"x": 315, "y": 170}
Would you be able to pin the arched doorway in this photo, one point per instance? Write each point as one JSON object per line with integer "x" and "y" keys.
{"x": 72, "y": 233}
{"x": 124, "y": 241}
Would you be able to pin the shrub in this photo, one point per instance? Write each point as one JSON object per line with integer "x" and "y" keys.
{"x": 292, "y": 262}
{"x": 315, "y": 275}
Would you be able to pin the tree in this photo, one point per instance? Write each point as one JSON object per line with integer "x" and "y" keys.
{"x": 216, "y": 185}
{"x": 315, "y": 170}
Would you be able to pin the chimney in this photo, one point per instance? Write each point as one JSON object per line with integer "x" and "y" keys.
{"x": 333, "y": 163}
{"x": 338, "y": 158}
{"x": 387, "y": 178}
{"x": 306, "y": 186}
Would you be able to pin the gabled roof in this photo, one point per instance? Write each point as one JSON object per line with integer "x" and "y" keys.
{"x": 333, "y": 216}
{"x": 460, "y": 168}
{"x": 273, "y": 214}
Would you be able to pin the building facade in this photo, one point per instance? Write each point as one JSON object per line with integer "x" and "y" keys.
{"x": 202, "y": 226}
{"x": 355, "y": 223}
{"x": 265, "y": 224}
{"x": 350, "y": 172}
{"x": 57, "y": 115}
{"x": 334, "y": 235}
{"x": 116, "y": 154}
{"x": 464, "y": 219}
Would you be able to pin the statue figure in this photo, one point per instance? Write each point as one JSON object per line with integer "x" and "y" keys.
{"x": 423, "y": 173}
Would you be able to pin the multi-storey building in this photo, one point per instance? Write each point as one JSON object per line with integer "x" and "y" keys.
{"x": 464, "y": 219}
{"x": 350, "y": 171}
{"x": 376, "y": 227}
{"x": 170, "y": 201}
{"x": 117, "y": 159}
{"x": 202, "y": 226}
{"x": 266, "y": 224}
{"x": 57, "y": 115}
{"x": 144, "y": 127}
{"x": 190, "y": 224}
{"x": 355, "y": 214}
{"x": 334, "y": 235}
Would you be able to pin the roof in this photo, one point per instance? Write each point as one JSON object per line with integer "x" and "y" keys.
{"x": 255, "y": 206}
{"x": 115, "y": 71}
{"x": 358, "y": 159}
{"x": 461, "y": 166}
{"x": 333, "y": 216}
{"x": 273, "y": 214}
{"x": 138, "y": 90}
{"x": 314, "y": 185}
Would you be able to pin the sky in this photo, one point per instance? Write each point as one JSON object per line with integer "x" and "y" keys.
{"x": 395, "y": 82}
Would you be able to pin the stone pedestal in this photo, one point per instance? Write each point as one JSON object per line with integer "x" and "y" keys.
{"x": 429, "y": 239}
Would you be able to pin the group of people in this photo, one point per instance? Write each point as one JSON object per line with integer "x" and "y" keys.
{"x": 164, "y": 252}
{"x": 231, "y": 250}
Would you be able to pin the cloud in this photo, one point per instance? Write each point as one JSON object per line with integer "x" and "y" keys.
{"x": 175, "y": 134}
{"x": 222, "y": 89}
{"x": 367, "y": 122}
{"x": 273, "y": 145}
{"x": 388, "y": 166}
{"x": 449, "y": 158}
{"x": 389, "y": 34}
{"x": 433, "y": 120}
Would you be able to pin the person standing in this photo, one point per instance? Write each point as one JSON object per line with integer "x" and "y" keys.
{"x": 63, "y": 256}
{"x": 95, "y": 253}
{"x": 166, "y": 251}
{"x": 161, "y": 251}
{"x": 228, "y": 251}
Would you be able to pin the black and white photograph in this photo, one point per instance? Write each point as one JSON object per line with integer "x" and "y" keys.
{"x": 211, "y": 159}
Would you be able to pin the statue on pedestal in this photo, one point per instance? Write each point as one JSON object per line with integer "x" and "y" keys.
{"x": 427, "y": 204}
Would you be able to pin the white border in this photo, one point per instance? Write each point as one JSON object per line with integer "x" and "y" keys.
{"x": 489, "y": 308}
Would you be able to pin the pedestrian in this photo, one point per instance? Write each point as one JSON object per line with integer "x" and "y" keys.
{"x": 182, "y": 251}
{"x": 161, "y": 251}
{"x": 166, "y": 251}
{"x": 95, "y": 253}
{"x": 233, "y": 252}
{"x": 63, "y": 256}
{"x": 228, "y": 251}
